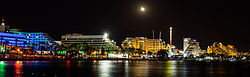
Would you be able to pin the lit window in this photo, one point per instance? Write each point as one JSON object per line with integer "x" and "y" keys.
{"x": 36, "y": 36}
{"x": 27, "y": 36}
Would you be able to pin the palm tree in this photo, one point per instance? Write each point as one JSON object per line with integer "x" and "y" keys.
{"x": 51, "y": 49}
{"x": 139, "y": 51}
{"x": 40, "y": 44}
{"x": 16, "y": 42}
{"x": 131, "y": 51}
{"x": 16, "y": 46}
{"x": 107, "y": 49}
{"x": 33, "y": 47}
{"x": 47, "y": 46}
{"x": 5, "y": 51}
{"x": 88, "y": 50}
{"x": 2, "y": 41}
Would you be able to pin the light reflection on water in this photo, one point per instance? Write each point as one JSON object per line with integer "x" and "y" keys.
{"x": 140, "y": 69}
{"x": 171, "y": 68}
{"x": 126, "y": 68}
{"x": 2, "y": 68}
{"x": 18, "y": 68}
{"x": 105, "y": 68}
{"x": 109, "y": 68}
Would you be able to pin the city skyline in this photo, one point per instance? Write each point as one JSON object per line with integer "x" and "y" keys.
{"x": 207, "y": 22}
{"x": 124, "y": 38}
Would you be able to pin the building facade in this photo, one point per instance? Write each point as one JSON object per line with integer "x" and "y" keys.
{"x": 143, "y": 43}
{"x": 191, "y": 47}
{"x": 39, "y": 40}
{"x": 220, "y": 49}
{"x": 12, "y": 39}
{"x": 95, "y": 41}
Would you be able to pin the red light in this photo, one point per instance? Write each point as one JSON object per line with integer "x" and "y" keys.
{"x": 2, "y": 20}
{"x": 29, "y": 51}
{"x": 68, "y": 61}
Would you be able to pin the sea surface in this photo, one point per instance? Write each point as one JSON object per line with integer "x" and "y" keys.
{"x": 122, "y": 68}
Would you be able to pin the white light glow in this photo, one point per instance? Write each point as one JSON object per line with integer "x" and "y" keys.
{"x": 105, "y": 34}
{"x": 142, "y": 9}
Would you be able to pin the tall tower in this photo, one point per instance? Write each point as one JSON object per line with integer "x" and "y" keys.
{"x": 170, "y": 49}
{"x": 153, "y": 39}
{"x": 159, "y": 41}
{"x": 171, "y": 36}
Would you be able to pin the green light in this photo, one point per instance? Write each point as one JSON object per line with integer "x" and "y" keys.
{"x": 81, "y": 52}
{"x": 2, "y": 48}
{"x": 169, "y": 52}
{"x": 2, "y": 63}
{"x": 64, "y": 52}
{"x": 24, "y": 32}
{"x": 58, "y": 52}
{"x": 2, "y": 68}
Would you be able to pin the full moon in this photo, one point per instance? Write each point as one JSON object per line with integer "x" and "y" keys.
{"x": 142, "y": 9}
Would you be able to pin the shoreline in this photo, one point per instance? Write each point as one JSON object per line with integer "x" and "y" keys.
{"x": 75, "y": 60}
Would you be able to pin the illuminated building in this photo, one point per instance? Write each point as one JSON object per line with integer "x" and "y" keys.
{"x": 12, "y": 39}
{"x": 95, "y": 41}
{"x": 143, "y": 43}
{"x": 58, "y": 42}
{"x": 191, "y": 47}
{"x": 219, "y": 49}
{"x": 39, "y": 40}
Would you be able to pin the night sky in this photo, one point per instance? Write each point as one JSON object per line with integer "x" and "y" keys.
{"x": 207, "y": 21}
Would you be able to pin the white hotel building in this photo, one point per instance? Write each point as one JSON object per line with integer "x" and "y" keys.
{"x": 96, "y": 41}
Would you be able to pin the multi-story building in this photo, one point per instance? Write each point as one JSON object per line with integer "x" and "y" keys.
{"x": 143, "y": 43}
{"x": 220, "y": 49}
{"x": 191, "y": 47}
{"x": 95, "y": 41}
{"x": 12, "y": 39}
{"x": 39, "y": 40}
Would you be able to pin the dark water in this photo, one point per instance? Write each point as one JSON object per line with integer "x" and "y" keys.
{"x": 108, "y": 68}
